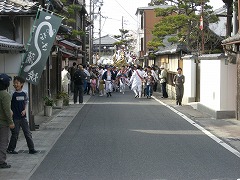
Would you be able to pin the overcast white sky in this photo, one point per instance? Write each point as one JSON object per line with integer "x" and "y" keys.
{"x": 114, "y": 10}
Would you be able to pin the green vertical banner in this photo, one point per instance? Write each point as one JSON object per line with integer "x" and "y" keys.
{"x": 40, "y": 44}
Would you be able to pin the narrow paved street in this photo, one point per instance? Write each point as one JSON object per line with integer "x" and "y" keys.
{"x": 126, "y": 138}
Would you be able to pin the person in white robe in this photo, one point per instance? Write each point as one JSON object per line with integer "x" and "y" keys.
{"x": 65, "y": 76}
{"x": 136, "y": 81}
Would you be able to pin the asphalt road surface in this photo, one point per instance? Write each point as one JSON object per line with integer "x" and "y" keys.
{"x": 123, "y": 138}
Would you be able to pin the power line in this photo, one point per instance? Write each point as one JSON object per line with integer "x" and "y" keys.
{"x": 130, "y": 15}
{"x": 126, "y": 11}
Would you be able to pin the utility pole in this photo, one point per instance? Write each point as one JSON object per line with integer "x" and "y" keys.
{"x": 202, "y": 4}
{"x": 84, "y": 38}
{"x": 100, "y": 24}
{"x": 90, "y": 34}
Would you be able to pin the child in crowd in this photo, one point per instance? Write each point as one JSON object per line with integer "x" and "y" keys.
{"x": 149, "y": 83}
{"x": 18, "y": 106}
{"x": 101, "y": 87}
{"x": 93, "y": 82}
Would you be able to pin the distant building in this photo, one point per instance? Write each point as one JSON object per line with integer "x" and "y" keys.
{"x": 220, "y": 27}
{"x": 105, "y": 44}
{"x": 147, "y": 18}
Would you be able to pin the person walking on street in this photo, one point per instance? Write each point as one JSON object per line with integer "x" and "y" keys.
{"x": 178, "y": 81}
{"x": 101, "y": 87}
{"x": 6, "y": 122}
{"x": 149, "y": 80}
{"x": 71, "y": 71}
{"x": 122, "y": 77}
{"x": 163, "y": 81}
{"x": 93, "y": 85}
{"x": 136, "y": 81}
{"x": 79, "y": 77}
{"x": 19, "y": 108}
{"x": 156, "y": 79}
{"x": 87, "y": 85}
{"x": 108, "y": 78}
{"x": 115, "y": 83}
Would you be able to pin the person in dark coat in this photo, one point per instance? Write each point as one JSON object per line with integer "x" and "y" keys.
{"x": 71, "y": 71}
{"x": 78, "y": 78}
{"x": 108, "y": 78}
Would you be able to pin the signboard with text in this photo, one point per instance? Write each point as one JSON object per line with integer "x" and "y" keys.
{"x": 39, "y": 47}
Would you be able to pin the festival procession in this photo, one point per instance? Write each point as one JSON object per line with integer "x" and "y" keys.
{"x": 120, "y": 76}
{"x": 119, "y": 89}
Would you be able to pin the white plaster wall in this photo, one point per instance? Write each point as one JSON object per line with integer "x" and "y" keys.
{"x": 228, "y": 86}
{"x": 10, "y": 64}
{"x": 218, "y": 85}
{"x": 210, "y": 83}
{"x": 189, "y": 71}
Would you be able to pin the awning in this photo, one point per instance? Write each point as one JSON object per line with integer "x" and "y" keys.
{"x": 69, "y": 48}
{"x": 8, "y": 45}
{"x": 70, "y": 44}
{"x": 66, "y": 54}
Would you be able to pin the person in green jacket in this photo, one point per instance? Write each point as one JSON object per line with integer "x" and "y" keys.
{"x": 6, "y": 122}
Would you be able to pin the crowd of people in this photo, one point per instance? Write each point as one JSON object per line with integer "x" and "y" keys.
{"x": 103, "y": 80}
{"x": 79, "y": 80}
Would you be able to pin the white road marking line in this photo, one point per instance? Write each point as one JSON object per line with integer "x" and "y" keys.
{"x": 209, "y": 134}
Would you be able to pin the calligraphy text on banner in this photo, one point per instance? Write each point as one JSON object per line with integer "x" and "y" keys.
{"x": 38, "y": 50}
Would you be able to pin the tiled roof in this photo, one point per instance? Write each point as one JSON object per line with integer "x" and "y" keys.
{"x": 10, "y": 45}
{"x": 219, "y": 27}
{"x": 171, "y": 48}
{"x": 139, "y": 9}
{"x": 106, "y": 40}
{"x": 17, "y": 7}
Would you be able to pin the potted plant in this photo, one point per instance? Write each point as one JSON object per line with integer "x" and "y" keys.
{"x": 60, "y": 96}
{"x": 66, "y": 101}
{"x": 48, "y": 104}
